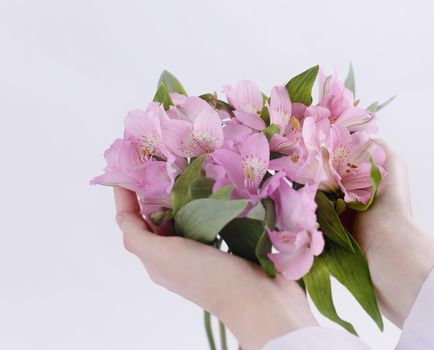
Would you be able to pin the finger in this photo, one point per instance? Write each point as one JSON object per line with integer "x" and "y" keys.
{"x": 395, "y": 187}
{"x": 125, "y": 200}
{"x": 136, "y": 234}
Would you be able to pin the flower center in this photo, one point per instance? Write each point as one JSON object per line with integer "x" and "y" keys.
{"x": 199, "y": 143}
{"x": 254, "y": 170}
{"x": 151, "y": 146}
{"x": 339, "y": 158}
{"x": 250, "y": 109}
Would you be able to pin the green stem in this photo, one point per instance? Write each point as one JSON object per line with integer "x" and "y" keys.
{"x": 208, "y": 328}
{"x": 223, "y": 341}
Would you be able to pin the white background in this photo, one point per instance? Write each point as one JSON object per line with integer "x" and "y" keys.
{"x": 70, "y": 70}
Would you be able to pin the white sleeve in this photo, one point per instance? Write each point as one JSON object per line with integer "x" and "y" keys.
{"x": 317, "y": 338}
{"x": 418, "y": 330}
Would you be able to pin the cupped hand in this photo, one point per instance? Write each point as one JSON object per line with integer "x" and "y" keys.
{"x": 399, "y": 254}
{"x": 253, "y": 306}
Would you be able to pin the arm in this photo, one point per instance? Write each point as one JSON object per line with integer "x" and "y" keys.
{"x": 400, "y": 255}
{"x": 253, "y": 306}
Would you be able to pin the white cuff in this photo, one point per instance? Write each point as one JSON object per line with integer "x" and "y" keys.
{"x": 418, "y": 330}
{"x": 317, "y": 338}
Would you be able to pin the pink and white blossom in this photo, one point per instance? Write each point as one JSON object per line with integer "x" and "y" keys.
{"x": 297, "y": 239}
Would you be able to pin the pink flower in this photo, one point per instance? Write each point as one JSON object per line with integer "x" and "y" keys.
{"x": 144, "y": 130}
{"x": 200, "y": 132}
{"x": 304, "y": 164}
{"x": 153, "y": 196}
{"x": 187, "y": 108}
{"x": 295, "y": 209}
{"x": 298, "y": 240}
{"x": 235, "y": 134}
{"x": 333, "y": 95}
{"x": 296, "y": 251}
{"x": 339, "y": 101}
{"x": 280, "y": 108}
{"x": 247, "y": 100}
{"x": 348, "y": 164}
{"x": 247, "y": 169}
{"x": 337, "y": 159}
{"x": 124, "y": 166}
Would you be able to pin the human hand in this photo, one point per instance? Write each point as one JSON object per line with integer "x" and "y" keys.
{"x": 253, "y": 306}
{"x": 400, "y": 256}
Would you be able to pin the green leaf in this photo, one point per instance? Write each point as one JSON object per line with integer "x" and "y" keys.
{"x": 375, "y": 179}
{"x": 158, "y": 217}
{"x": 181, "y": 193}
{"x": 372, "y": 107}
{"x": 340, "y": 206}
{"x": 318, "y": 285}
{"x": 263, "y": 247}
{"x": 242, "y": 236}
{"x": 376, "y": 106}
{"x": 350, "y": 82}
{"x": 384, "y": 104}
{"x": 201, "y": 187}
{"x": 330, "y": 222}
{"x": 300, "y": 87}
{"x": 264, "y": 244}
{"x": 351, "y": 269}
{"x": 265, "y": 116}
{"x": 162, "y": 96}
{"x": 270, "y": 214}
{"x": 301, "y": 284}
{"x": 257, "y": 212}
{"x": 171, "y": 83}
{"x": 197, "y": 219}
{"x": 270, "y": 130}
{"x": 223, "y": 192}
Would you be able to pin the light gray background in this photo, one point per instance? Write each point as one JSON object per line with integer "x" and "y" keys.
{"x": 69, "y": 71}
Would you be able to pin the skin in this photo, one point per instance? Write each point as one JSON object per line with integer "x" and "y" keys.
{"x": 233, "y": 289}
{"x": 400, "y": 255}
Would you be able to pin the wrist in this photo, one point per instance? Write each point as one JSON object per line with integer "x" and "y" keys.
{"x": 400, "y": 259}
{"x": 272, "y": 310}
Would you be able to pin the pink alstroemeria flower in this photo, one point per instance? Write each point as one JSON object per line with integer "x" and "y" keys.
{"x": 248, "y": 101}
{"x": 345, "y": 158}
{"x": 124, "y": 166}
{"x": 298, "y": 239}
{"x": 339, "y": 101}
{"x": 247, "y": 169}
{"x": 305, "y": 165}
{"x": 143, "y": 129}
{"x": 200, "y": 132}
{"x": 280, "y": 111}
{"x": 187, "y": 108}
{"x": 235, "y": 133}
{"x": 280, "y": 108}
{"x": 349, "y": 166}
{"x": 153, "y": 196}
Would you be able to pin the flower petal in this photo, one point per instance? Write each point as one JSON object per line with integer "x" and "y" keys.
{"x": 245, "y": 97}
{"x": 255, "y": 156}
{"x": 208, "y": 130}
{"x": 317, "y": 242}
{"x": 231, "y": 162}
{"x": 176, "y": 134}
{"x": 192, "y": 107}
{"x": 253, "y": 121}
{"x": 292, "y": 266}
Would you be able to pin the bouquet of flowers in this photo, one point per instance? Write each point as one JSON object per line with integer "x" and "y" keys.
{"x": 265, "y": 176}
